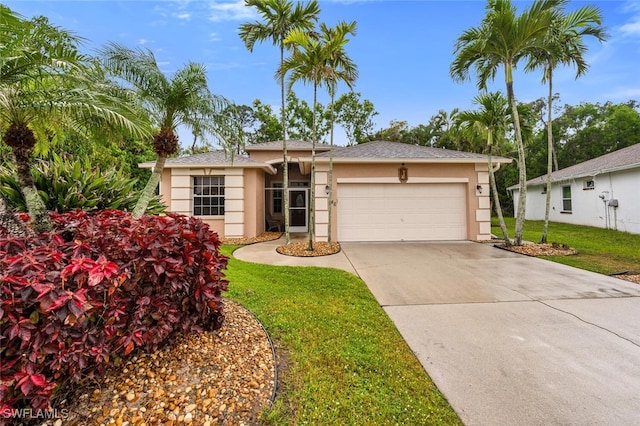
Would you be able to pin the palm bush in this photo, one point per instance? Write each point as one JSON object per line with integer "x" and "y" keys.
{"x": 66, "y": 186}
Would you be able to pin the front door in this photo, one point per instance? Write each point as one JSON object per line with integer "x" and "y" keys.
{"x": 298, "y": 210}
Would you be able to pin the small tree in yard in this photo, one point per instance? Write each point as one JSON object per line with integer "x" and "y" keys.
{"x": 184, "y": 99}
{"x": 45, "y": 83}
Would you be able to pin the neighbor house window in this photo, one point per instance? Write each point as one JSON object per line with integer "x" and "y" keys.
{"x": 566, "y": 199}
{"x": 208, "y": 195}
{"x": 276, "y": 197}
{"x": 589, "y": 184}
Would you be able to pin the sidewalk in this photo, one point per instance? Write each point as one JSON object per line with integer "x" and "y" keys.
{"x": 266, "y": 253}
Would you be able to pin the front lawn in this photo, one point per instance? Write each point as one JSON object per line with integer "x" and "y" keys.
{"x": 599, "y": 250}
{"x": 346, "y": 362}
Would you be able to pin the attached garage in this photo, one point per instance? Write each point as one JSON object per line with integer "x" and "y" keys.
{"x": 402, "y": 211}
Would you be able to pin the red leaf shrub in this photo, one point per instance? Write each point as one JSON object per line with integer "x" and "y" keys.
{"x": 78, "y": 299}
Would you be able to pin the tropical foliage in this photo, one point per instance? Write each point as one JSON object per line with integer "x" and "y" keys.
{"x": 47, "y": 86}
{"x": 279, "y": 18}
{"x": 66, "y": 186}
{"x": 319, "y": 59}
{"x": 100, "y": 285}
{"x": 181, "y": 100}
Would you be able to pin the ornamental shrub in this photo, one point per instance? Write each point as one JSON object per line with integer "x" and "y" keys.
{"x": 70, "y": 185}
{"x": 81, "y": 298}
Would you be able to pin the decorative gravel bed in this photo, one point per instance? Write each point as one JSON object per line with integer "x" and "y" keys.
{"x": 225, "y": 377}
{"x": 301, "y": 249}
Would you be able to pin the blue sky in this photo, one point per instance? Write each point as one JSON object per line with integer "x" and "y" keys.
{"x": 403, "y": 49}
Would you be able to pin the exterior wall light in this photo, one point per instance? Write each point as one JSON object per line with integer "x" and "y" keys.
{"x": 479, "y": 188}
{"x": 403, "y": 173}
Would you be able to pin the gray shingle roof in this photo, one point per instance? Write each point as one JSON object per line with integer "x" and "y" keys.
{"x": 212, "y": 158}
{"x": 621, "y": 159}
{"x": 291, "y": 144}
{"x": 397, "y": 150}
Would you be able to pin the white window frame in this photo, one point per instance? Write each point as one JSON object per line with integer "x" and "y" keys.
{"x": 566, "y": 200}
{"x": 209, "y": 190}
{"x": 277, "y": 193}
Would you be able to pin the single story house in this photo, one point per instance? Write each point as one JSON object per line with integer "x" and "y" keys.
{"x": 383, "y": 191}
{"x": 602, "y": 192}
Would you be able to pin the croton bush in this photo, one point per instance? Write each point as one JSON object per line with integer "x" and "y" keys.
{"x": 81, "y": 298}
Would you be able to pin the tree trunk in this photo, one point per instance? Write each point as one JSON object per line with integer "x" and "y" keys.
{"x": 330, "y": 177}
{"x": 40, "y": 221}
{"x": 547, "y": 207}
{"x": 8, "y": 220}
{"x": 312, "y": 190}
{"x": 522, "y": 175}
{"x": 150, "y": 188}
{"x": 494, "y": 191}
{"x": 285, "y": 160}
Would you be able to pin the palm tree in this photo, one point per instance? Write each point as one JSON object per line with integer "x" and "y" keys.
{"x": 503, "y": 39}
{"x": 318, "y": 59}
{"x": 492, "y": 117}
{"x": 279, "y": 18}
{"x": 45, "y": 83}
{"x": 339, "y": 67}
{"x": 183, "y": 100}
{"x": 564, "y": 46}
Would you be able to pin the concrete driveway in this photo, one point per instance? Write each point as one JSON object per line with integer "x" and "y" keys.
{"x": 508, "y": 339}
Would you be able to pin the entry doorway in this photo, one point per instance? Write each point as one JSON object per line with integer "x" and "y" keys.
{"x": 298, "y": 209}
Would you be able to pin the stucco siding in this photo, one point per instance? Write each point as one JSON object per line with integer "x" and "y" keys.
{"x": 591, "y": 207}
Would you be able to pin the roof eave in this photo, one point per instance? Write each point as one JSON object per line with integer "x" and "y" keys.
{"x": 266, "y": 167}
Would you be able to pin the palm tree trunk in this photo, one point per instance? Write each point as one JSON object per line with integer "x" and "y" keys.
{"x": 522, "y": 175}
{"x": 8, "y": 220}
{"x": 40, "y": 221}
{"x": 285, "y": 161}
{"x": 494, "y": 191}
{"x": 312, "y": 198}
{"x": 150, "y": 188}
{"x": 330, "y": 177}
{"x": 547, "y": 207}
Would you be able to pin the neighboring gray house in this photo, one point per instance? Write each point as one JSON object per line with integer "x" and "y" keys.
{"x": 602, "y": 192}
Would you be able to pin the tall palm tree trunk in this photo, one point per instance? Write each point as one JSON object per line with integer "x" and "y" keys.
{"x": 522, "y": 172}
{"x": 547, "y": 207}
{"x": 312, "y": 201}
{"x": 150, "y": 188}
{"x": 494, "y": 191}
{"x": 285, "y": 160}
{"x": 330, "y": 176}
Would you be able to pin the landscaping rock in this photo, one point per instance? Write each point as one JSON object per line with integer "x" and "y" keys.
{"x": 221, "y": 377}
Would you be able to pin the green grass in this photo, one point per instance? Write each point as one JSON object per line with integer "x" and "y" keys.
{"x": 599, "y": 250}
{"x": 347, "y": 363}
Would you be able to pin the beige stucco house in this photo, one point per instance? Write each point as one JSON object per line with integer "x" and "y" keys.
{"x": 383, "y": 191}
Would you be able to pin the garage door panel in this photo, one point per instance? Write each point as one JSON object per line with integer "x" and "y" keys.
{"x": 401, "y": 212}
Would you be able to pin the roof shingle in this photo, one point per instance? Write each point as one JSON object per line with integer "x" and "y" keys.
{"x": 624, "y": 158}
{"x": 397, "y": 150}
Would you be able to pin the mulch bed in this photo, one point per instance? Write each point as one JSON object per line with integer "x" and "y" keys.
{"x": 301, "y": 249}
{"x": 265, "y": 236}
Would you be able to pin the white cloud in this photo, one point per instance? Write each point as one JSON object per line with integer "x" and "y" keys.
{"x": 185, "y": 16}
{"x": 230, "y": 11}
{"x": 143, "y": 41}
{"x": 632, "y": 27}
{"x": 214, "y": 37}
